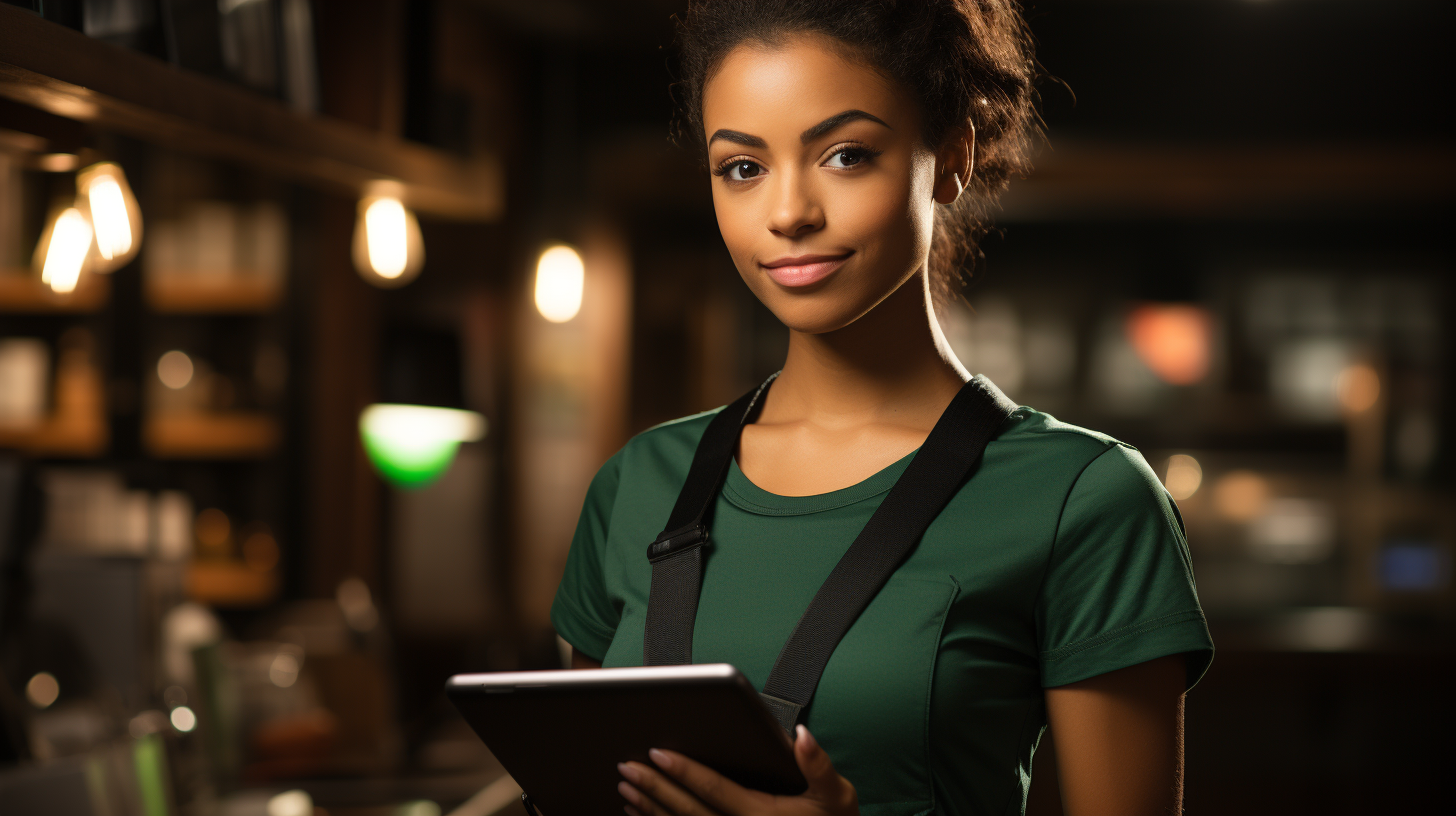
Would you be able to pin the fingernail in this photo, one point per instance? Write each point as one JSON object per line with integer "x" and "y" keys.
{"x": 632, "y": 774}
{"x": 628, "y": 792}
{"x": 661, "y": 758}
{"x": 809, "y": 741}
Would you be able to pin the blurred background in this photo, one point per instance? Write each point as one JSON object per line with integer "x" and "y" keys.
{"x": 317, "y": 317}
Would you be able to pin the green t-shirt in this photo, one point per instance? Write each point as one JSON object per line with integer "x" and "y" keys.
{"x": 1061, "y": 558}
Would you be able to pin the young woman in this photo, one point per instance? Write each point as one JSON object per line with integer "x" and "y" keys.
{"x": 854, "y": 145}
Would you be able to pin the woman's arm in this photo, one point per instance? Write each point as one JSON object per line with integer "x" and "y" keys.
{"x": 581, "y": 661}
{"x": 1119, "y": 740}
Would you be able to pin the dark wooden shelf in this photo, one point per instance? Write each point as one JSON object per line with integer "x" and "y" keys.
{"x": 22, "y": 291}
{"x": 185, "y": 296}
{"x": 233, "y": 435}
{"x": 68, "y": 74}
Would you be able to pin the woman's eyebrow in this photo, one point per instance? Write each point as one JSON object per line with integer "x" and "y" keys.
{"x": 737, "y": 138}
{"x": 835, "y": 121}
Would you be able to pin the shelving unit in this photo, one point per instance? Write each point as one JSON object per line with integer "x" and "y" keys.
{"x": 68, "y": 74}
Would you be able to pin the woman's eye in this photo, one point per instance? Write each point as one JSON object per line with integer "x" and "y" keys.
{"x": 848, "y": 157}
{"x": 742, "y": 170}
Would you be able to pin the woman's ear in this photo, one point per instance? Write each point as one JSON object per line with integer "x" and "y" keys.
{"x": 954, "y": 164}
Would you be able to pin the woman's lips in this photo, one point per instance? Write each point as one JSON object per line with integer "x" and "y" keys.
{"x": 804, "y": 270}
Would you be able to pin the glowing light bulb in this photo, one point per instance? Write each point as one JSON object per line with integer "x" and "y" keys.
{"x": 560, "y": 278}
{"x": 384, "y": 226}
{"x": 388, "y": 249}
{"x": 63, "y": 250}
{"x": 411, "y": 445}
{"x": 114, "y": 214}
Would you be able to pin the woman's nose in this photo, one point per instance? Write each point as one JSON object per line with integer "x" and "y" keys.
{"x": 796, "y": 210}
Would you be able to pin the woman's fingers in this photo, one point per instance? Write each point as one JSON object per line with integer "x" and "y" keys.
{"x": 825, "y": 783}
{"x": 657, "y": 795}
{"x": 718, "y": 791}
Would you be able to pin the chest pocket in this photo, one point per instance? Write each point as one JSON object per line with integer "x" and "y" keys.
{"x": 872, "y": 709}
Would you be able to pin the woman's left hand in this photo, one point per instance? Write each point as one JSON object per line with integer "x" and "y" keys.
{"x": 679, "y": 786}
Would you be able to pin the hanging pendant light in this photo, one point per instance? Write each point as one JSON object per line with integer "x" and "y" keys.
{"x": 64, "y": 249}
{"x": 414, "y": 432}
{"x": 412, "y": 445}
{"x": 114, "y": 215}
{"x": 560, "y": 279}
{"x": 388, "y": 249}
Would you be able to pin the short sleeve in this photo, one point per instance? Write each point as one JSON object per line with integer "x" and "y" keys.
{"x": 1119, "y": 586}
{"x": 583, "y": 612}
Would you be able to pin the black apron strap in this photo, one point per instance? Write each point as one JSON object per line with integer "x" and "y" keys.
{"x": 938, "y": 470}
{"x": 935, "y": 474}
{"x": 677, "y": 554}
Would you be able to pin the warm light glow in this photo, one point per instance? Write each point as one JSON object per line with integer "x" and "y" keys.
{"x": 183, "y": 719}
{"x": 1241, "y": 495}
{"x": 357, "y": 604}
{"x": 388, "y": 249}
{"x": 58, "y": 162}
{"x": 213, "y": 530}
{"x": 113, "y": 212}
{"x": 283, "y": 671}
{"x": 1173, "y": 341}
{"x": 412, "y": 445}
{"x": 66, "y": 245}
{"x": 260, "y": 551}
{"x": 175, "y": 369}
{"x": 1183, "y": 477}
{"x": 290, "y": 803}
{"x": 42, "y": 690}
{"x": 384, "y": 225}
{"x": 1358, "y": 388}
{"x": 560, "y": 276}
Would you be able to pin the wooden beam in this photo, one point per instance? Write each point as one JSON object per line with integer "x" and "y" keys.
{"x": 68, "y": 74}
{"x": 1080, "y": 180}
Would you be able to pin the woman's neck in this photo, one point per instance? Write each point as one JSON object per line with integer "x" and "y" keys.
{"x": 892, "y": 365}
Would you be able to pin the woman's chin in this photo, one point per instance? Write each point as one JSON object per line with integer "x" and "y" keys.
{"x": 816, "y": 315}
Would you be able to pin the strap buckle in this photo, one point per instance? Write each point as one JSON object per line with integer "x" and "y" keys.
{"x": 675, "y": 541}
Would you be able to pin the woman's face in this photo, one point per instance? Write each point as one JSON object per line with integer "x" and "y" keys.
{"x": 822, "y": 184}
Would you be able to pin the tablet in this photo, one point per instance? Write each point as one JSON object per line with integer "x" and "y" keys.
{"x": 560, "y": 734}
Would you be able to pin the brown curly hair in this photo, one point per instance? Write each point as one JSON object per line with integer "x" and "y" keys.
{"x": 964, "y": 60}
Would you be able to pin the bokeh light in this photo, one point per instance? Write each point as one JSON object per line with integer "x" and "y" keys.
{"x": 290, "y": 803}
{"x": 42, "y": 690}
{"x": 1240, "y": 495}
{"x": 63, "y": 251}
{"x": 1172, "y": 340}
{"x": 388, "y": 247}
{"x": 183, "y": 719}
{"x": 114, "y": 213}
{"x": 1183, "y": 477}
{"x": 175, "y": 369}
{"x": 560, "y": 280}
{"x": 1358, "y": 388}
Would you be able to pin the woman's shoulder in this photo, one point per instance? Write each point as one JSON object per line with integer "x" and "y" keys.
{"x": 1032, "y": 432}
{"x": 662, "y": 452}
{"x": 1088, "y": 465}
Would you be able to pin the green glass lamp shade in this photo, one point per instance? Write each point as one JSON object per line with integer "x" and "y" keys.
{"x": 411, "y": 445}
